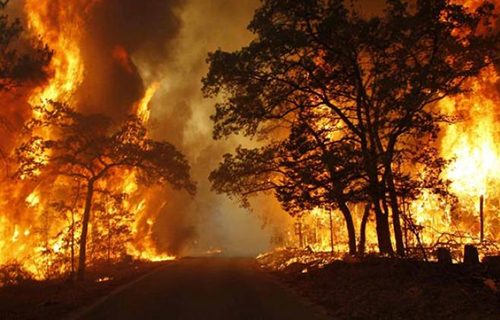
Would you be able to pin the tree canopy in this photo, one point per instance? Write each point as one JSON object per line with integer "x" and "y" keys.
{"x": 353, "y": 99}
{"x": 89, "y": 148}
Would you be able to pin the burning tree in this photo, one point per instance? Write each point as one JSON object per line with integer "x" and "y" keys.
{"x": 90, "y": 148}
{"x": 375, "y": 82}
{"x": 17, "y": 67}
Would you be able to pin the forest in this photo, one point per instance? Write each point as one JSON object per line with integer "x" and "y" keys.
{"x": 354, "y": 144}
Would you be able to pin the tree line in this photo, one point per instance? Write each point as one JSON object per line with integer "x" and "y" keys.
{"x": 346, "y": 105}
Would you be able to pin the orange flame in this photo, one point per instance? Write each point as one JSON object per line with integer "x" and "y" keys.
{"x": 30, "y": 233}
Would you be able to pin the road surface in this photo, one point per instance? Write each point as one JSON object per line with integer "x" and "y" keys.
{"x": 204, "y": 289}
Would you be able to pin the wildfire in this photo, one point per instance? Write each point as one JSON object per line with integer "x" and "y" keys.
{"x": 60, "y": 26}
{"x": 32, "y": 232}
{"x": 33, "y": 199}
{"x": 474, "y": 141}
{"x": 473, "y": 147}
{"x": 37, "y": 233}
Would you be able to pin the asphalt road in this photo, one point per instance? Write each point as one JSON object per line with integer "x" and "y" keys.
{"x": 204, "y": 289}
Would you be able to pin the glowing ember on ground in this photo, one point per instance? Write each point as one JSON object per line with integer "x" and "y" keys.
{"x": 104, "y": 279}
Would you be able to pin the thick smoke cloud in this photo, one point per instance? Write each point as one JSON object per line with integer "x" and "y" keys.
{"x": 127, "y": 46}
{"x": 115, "y": 31}
{"x": 182, "y": 116}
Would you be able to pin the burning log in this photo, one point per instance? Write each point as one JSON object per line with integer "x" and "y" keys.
{"x": 471, "y": 255}
{"x": 444, "y": 256}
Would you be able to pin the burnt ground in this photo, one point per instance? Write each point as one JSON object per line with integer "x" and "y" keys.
{"x": 378, "y": 288}
{"x": 56, "y": 299}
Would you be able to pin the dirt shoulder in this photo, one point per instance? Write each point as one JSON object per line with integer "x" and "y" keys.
{"x": 380, "y": 288}
{"x": 56, "y": 299}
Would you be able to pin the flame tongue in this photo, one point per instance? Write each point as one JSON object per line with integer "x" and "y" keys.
{"x": 60, "y": 25}
{"x": 142, "y": 109}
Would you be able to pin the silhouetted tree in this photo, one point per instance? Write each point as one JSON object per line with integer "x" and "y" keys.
{"x": 380, "y": 79}
{"x": 90, "y": 147}
{"x": 305, "y": 171}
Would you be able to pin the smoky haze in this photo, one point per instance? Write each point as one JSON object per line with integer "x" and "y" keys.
{"x": 127, "y": 47}
{"x": 183, "y": 115}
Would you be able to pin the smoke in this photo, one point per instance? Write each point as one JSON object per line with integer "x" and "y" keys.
{"x": 128, "y": 46}
{"x": 182, "y": 116}
{"x": 116, "y": 31}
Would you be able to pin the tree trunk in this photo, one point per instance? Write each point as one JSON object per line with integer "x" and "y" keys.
{"x": 73, "y": 209}
{"x": 350, "y": 227}
{"x": 331, "y": 232}
{"x": 396, "y": 223}
{"x": 85, "y": 225}
{"x": 383, "y": 231}
{"x": 72, "y": 244}
{"x": 362, "y": 230}
{"x": 471, "y": 255}
{"x": 109, "y": 239}
{"x": 378, "y": 194}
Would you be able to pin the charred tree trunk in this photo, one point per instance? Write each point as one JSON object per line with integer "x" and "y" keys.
{"x": 396, "y": 223}
{"x": 471, "y": 255}
{"x": 73, "y": 209}
{"x": 346, "y": 212}
{"x": 85, "y": 225}
{"x": 377, "y": 194}
{"x": 383, "y": 231}
{"x": 109, "y": 238}
{"x": 362, "y": 230}
{"x": 72, "y": 244}
{"x": 444, "y": 256}
{"x": 351, "y": 231}
{"x": 331, "y": 232}
{"x": 481, "y": 217}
